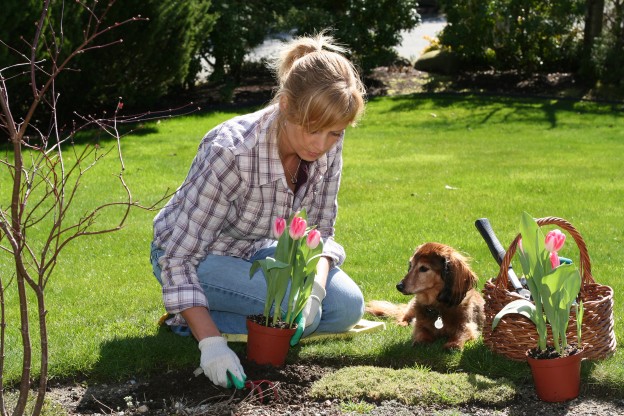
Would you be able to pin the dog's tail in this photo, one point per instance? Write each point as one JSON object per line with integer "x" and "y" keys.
{"x": 385, "y": 308}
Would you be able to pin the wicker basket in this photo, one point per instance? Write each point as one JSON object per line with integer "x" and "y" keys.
{"x": 515, "y": 334}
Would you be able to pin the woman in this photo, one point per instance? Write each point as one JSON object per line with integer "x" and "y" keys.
{"x": 247, "y": 172}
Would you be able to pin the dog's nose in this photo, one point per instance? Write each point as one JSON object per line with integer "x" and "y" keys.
{"x": 400, "y": 287}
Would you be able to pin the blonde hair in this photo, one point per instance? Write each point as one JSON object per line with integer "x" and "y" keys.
{"x": 321, "y": 86}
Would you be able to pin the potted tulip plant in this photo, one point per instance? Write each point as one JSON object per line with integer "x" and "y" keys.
{"x": 298, "y": 250}
{"x": 555, "y": 288}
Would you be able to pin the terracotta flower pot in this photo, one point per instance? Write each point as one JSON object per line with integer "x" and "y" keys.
{"x": 556, "y": 379}
{"x": 266, "y": 345}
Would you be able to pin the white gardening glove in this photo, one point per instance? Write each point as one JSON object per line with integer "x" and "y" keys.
{"x": 313, "y": 306}
{"x": 217, "y": 360}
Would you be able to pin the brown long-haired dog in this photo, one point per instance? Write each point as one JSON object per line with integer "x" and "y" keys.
{"x": 445, "y": 303}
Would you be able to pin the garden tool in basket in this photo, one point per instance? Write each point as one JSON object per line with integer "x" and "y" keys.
{"x": 498, "y": 252}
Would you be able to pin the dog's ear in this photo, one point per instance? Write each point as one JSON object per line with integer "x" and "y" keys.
{"x": 458, "y": 279}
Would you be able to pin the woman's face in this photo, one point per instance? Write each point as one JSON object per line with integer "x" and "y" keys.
{"x": 310, "y": 146}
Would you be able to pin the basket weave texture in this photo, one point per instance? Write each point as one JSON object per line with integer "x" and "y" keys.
{"x": 516, "y": 334}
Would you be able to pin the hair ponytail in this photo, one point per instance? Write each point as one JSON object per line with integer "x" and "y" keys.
{"x": 320, "y": 85}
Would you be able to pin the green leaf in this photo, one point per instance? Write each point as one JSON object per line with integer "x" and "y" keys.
{"x": 561, "y": 288}
{"x": 520, "y": 306}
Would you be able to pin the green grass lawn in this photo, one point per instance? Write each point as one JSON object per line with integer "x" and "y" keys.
{"x": 416, "y": 169}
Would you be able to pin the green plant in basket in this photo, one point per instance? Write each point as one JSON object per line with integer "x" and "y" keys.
{"x": 298, "y": 250}
{"x": 554, "y": 286}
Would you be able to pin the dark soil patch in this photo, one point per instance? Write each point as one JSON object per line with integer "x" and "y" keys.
{"x": 277, "y": 391}
{"x": 182, "y": 393}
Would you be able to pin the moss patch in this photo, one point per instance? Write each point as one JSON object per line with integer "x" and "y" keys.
{"x": 413, "y": 386}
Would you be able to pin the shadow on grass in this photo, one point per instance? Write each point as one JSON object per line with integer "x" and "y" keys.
{"x": 92, "y": 136}
{"x": 484, "y": 107}
{"x": 123, "y": 358}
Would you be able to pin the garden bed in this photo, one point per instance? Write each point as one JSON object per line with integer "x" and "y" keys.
{"x": 180, "y": 392}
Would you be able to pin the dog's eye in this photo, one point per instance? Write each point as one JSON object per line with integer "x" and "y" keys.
{"x": 423, "y": 269}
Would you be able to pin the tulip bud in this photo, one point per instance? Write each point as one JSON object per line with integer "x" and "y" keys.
{"x": 554, "y": 259}
{"x": 314, "y": 238}
{"x": 278, "y": 227}
{"x": 554, "y": 240}
{"x": 297, "y": 228}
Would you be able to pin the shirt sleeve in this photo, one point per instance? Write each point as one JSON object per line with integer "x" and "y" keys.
{"x": 205, "y": 199}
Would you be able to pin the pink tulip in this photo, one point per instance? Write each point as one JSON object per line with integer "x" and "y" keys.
{"x": 554, "y": 259}
{"x": 297, "y": 228}
{"x": 279, "y": 226}
{"x": 554, "y": 241}
{"x": 314, "y": 238}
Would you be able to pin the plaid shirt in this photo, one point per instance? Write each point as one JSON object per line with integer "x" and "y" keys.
{"x": 235, "y": 189}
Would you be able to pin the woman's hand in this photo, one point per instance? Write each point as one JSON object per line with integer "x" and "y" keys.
{"x": 220, "y": 364}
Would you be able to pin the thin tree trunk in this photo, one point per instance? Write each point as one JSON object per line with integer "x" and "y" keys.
{"x": 43, "y": 332}
{"x": 3, "y": 411}
{"x": 593, "y": 28}
{"x": 26, "y": 347}
{"x": 21, "y": 274}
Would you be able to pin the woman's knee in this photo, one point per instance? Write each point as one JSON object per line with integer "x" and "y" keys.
{"x": 345, "y": 304}
{"x": 353, "y": 309}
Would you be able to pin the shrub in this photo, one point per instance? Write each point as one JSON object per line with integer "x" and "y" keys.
{"x": 526, "y": 35}
{"x": 156, "y": 56}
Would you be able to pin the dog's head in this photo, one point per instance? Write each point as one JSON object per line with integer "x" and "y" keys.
{"x": 439, "y": 271}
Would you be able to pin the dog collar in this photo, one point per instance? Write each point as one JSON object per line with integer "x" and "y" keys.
{"x": 439, "y": 324}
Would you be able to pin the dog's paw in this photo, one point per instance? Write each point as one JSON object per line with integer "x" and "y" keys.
{"x": 454, "y": 345}
{"x": 422, "y": 337}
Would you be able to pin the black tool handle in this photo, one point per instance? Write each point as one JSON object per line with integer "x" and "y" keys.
{"x": 486, "y": 231}
{"x": 498, "y": 252}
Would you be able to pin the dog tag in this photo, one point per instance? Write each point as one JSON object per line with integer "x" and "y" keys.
{"x": 438, "y": 323}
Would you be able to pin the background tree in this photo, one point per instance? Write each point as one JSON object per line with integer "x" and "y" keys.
{"x": 606, "y": 58}
{"x": 37, "y": 220}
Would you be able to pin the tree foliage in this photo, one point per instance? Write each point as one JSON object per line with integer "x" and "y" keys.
{"x": 526, "y": 35}
{"x": 159, "y": 53}
{"x": 581, "y": 36}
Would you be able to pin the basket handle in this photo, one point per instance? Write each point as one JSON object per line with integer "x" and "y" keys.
{"x": 502, "y": 280}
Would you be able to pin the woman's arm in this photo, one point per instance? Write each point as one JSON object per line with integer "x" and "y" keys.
{"x": 199, "y": 320}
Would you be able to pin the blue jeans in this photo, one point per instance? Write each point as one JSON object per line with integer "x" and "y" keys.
{"x": 232, "y": 295}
